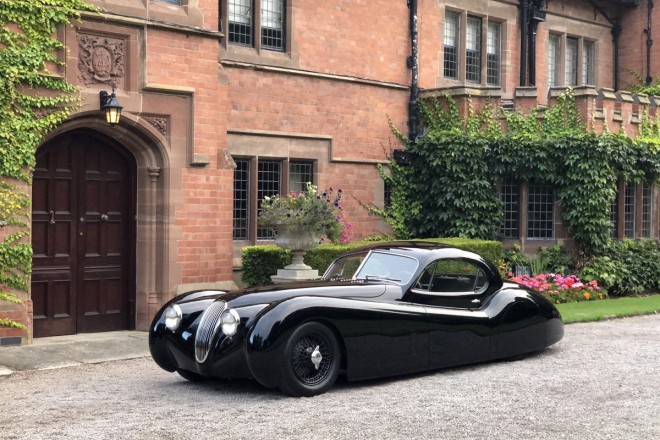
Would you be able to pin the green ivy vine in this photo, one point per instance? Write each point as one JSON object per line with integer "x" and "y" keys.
{"x": 34, "y": 100}
{"x": 452, "y": 183}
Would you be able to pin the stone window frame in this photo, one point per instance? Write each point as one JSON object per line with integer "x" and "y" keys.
{"x": 633, "y": 211}
{"x": 254, "y": 234}
{"x": 461, "y": 77}
{"x": 256, "y": 53}
{"x": 558, "y": 73}
{"x": 519, "y": 204}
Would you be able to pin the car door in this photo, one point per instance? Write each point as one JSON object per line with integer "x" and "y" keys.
{"x": 452, "y": 291}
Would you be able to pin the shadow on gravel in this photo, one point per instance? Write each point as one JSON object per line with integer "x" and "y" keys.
{"x": 213, "y": 387}
{"x": 344, "y": 385}
{"x": 246, "y": 388}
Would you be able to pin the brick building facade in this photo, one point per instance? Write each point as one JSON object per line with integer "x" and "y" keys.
{"x": 226, "y": 101}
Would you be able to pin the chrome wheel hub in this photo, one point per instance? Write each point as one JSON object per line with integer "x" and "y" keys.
{"x": 316, "y": 357}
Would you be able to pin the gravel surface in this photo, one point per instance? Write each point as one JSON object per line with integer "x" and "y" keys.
{"x": 601, "y": 381}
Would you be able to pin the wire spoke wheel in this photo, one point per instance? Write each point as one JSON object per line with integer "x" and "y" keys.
{"x": 302, "y": 363}
{"x": 311, "y": 360}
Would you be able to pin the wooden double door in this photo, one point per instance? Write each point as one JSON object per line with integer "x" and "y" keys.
{"x": 83, "y": 236}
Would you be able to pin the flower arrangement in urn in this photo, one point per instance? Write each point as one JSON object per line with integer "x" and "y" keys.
{"x": 313, "y": 212}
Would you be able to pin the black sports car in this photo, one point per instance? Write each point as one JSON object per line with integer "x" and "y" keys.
{"x": 381, "y": 310}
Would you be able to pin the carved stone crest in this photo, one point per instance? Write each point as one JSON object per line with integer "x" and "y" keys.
{"x": 101, "y": 60}
{"x": 160, "y": 122}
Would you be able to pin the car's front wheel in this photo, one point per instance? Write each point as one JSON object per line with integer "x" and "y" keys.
{"x": 311, "y": 361}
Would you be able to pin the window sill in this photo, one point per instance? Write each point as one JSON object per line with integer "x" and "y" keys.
{"x": 250, "y": 55}
{"x": 154, "y": 10}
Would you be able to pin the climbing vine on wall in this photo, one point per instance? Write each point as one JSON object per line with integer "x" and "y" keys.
{"x": 34, "y": 99}
{"x": 459, "y": 162}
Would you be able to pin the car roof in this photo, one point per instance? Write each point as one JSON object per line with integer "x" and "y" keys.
{"x": 403, "y": 245}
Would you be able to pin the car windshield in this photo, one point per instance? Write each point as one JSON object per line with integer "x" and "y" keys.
{"x": 373, "y": 266}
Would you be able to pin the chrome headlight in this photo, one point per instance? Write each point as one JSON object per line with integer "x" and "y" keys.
{"x": 230, "y": 321}
{"x": 172, "y": 316}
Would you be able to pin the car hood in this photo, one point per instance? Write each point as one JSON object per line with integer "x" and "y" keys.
{"x": 281, "y": 292}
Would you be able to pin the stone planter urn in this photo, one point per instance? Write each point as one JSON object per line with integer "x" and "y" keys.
{"x": 298, "y": 242}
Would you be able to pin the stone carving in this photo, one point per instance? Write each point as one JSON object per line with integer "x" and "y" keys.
{"x": 101, "y": 60}
{"x": 160, "y": 122}
{"x": 154, "y": 173}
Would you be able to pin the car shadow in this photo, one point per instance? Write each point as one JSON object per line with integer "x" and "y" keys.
{"x": 343, "y": 384}
{"x": 249, "y": 388}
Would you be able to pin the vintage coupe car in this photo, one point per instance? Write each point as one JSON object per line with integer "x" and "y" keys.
{"x": 381, "y": 310}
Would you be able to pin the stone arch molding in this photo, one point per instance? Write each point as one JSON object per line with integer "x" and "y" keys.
{"x": 153, "y": 272}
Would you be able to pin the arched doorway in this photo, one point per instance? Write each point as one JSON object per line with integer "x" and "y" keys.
{"x": 83, "y": 235}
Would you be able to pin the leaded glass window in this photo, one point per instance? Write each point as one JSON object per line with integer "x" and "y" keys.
{"x": 241, "y": 22}
{"x": 473, "y": 50}
{"x": 299, "y": 174}
{"x": 588, "y": 63}
{"x": 540, "y": 211}
{"x": 272, "y": 24}
{"x": 629, "y": 210}
{"x": 571, "y": 61}
{"x": 510, "y": 197}
{"x": 647, "y": 210}
{"x": 493, "y": 53}
{"x": 553, "y": 60}
{"x": 451, "y": 45}
{"x": 241, "y": 222}
{"x": 269, "y": 181}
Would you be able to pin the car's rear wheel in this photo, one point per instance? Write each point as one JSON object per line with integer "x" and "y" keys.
{"x": 189, "y": 375}
{"x": 311, "y": 360}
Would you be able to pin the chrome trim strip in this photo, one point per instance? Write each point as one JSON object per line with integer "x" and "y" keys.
{"x": 207, "y": 329}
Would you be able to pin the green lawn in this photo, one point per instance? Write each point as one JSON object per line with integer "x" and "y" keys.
{"x": 608, "y": 308}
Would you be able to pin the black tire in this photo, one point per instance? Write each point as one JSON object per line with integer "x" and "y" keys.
{"x": 299, "y": 375}
{"x": 189, "y": 375}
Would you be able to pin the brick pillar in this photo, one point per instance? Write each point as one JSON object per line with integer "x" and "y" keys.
{"x": 525, "y": 99}
{"x": 553, "y": 94}
{"x": 605, "y": 111}
{"x": 585, "y": 101}
{"x": 640, "y": 108}
{"x": 654, "y": 103}
{"x": 625, "y": 102}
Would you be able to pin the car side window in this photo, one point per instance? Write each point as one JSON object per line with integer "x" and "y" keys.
{"x": 346, "y": 267}
{"x": 453, "y": 276}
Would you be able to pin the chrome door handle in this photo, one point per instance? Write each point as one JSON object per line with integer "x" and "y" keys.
{"x": 52, "y": 217}
{"x": 476, "y": 301}
{"x": 104, "y": 217}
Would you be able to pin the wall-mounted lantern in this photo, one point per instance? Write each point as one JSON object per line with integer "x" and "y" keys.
{"x": 111, "y": 107}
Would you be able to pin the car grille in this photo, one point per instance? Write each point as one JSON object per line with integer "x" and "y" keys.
{"x": 208, "y": 326}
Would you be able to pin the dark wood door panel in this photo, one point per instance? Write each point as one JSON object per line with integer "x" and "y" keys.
{"x": 53, "y": 297}
{"x": 82, "y": 225}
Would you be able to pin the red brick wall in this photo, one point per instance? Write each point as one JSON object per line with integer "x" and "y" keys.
{"x": 355, "y": 116}
{"x": 204, "y": 209}
{"x": 632, "y": 46}
{"x": 366, "y": 39}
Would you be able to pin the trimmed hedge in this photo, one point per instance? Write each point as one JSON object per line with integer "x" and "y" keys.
{"x": 260, "y": 262}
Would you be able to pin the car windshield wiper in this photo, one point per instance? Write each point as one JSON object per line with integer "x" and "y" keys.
{"x": 370, "y": 277}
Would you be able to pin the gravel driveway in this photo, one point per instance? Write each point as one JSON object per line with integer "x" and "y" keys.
{"x": 602, "y": 381}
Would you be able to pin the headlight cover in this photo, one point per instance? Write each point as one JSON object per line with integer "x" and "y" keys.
{"x": 172, "y": 316}
{"x": 230, "y": 321}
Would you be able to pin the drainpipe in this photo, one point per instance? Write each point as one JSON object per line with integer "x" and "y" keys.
{"x": 616, "y": 33}
{"x": 524, "y": 20}
{"x": 413, "y": 63}
{"x": 534, "y": 24}
{"x": 649, "y": 43}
